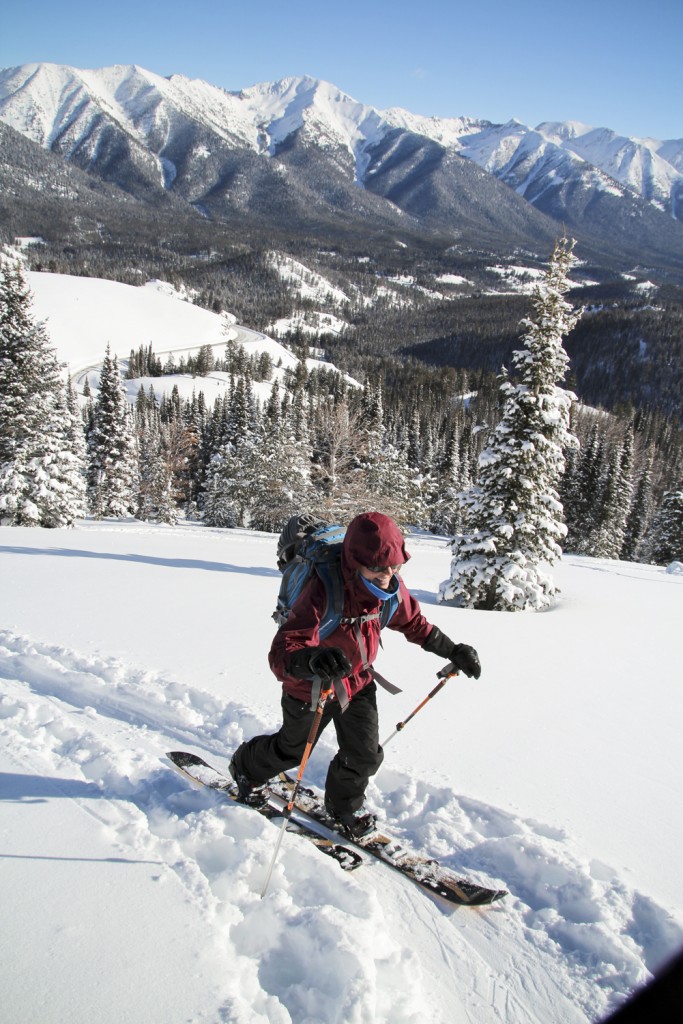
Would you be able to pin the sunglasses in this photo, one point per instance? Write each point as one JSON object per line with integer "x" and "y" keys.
{"x": 384, "y": 568}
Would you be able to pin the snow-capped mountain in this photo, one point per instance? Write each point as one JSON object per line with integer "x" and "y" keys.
{"x": 528, "y": 158}
{"x": 299, "y": 152}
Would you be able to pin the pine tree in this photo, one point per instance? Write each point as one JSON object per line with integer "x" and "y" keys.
{"x": 205, "y": 361}
{"x": 445, "y": 513}
{"x": 615, "y": 501}
{"x": 281, "y": 484}
{"x": 230, "y": 482}
{"x": 77, "y": 446}
{"x": 639, "y": 516}
{"x": 390, "y": 485}
{"x": 414, "y": 451}
{"x": 234, "y": 465}
{"x": 41, "y": 463}
{"x": 58, "y": 467}
{"x": 664, "y": 543}
{"x": 513, "y": 514}
{"x": 582, "y": 492}
{"x": 385, "y": 478}
{"x": 113, "y": 469}
{"x": 155, "y": 494}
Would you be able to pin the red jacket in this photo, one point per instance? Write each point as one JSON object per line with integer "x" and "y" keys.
{"x": 371, "y": 539}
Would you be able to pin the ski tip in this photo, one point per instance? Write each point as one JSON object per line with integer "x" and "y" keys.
{"x": 183, "y": 759}
{"x": 490, "y": 897}
{"x": 469, "y": 894}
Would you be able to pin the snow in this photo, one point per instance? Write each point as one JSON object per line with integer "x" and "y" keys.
{"x": 307, "y": 284}
{"x": 82, "y": 315}
{"x": 129, "y": 895}
{"x": 324, "y": 111}
{"x": 452, "y": 279}
{"x": 310, "y": 322}
{"x": 519, "y": 279}
{"x": 23, "y": 242}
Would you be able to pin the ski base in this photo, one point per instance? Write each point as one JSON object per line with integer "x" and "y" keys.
{"x": 201, "y": 773}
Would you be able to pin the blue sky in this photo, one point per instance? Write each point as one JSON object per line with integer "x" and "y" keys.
{"x": 613, "y": 63}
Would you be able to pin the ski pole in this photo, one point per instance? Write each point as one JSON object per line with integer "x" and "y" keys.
{"x": 446, "y": 673}
{"x": 287, "y": 813}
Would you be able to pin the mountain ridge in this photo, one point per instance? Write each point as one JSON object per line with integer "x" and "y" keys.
{"x": 256, "y": 108}
{"x": 300, "y": 153}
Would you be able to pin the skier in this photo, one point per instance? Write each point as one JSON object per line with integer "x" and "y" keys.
{"x": 373, "y": 552}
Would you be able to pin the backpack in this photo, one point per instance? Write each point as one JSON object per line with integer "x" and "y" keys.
{"x": 309, "y": 546}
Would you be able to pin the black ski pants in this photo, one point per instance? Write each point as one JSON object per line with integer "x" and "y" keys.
{"x": 358, "y": 758}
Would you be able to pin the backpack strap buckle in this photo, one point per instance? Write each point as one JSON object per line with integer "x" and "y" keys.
{"x": 339, "y": 692}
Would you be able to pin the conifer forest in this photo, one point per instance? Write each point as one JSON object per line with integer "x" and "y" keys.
{"x": 418, "y": 440}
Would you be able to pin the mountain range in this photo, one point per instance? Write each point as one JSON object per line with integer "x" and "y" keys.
{"x": 300, "y": 158}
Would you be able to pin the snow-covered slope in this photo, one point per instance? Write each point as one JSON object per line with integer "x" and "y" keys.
{"x": 647, "y": 166}
{"x": 84, "y": 315}
{"x": 129, "y": 895}
{"x": 327, "y": 116}
{"x": 47, "y": 102}
{"x": 524, "y": 156}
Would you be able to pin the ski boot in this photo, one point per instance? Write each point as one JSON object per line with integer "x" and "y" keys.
{"x": 354, "y": 824}
{"x": 253, "y": 794}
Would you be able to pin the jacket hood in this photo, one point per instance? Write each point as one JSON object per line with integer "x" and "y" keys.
{"x": 373, "y": 539}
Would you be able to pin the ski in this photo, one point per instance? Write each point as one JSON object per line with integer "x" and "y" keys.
{"x": 426, "y": 872}
{"x": 198, "y": 771}
{"x": 311, "y": 817}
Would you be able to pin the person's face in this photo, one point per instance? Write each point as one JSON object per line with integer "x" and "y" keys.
{"x": 380, "y": 575}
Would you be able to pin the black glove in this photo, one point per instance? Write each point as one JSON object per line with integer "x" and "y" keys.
{"x": 328, "y": 663}
{"x": 463, "y": 656}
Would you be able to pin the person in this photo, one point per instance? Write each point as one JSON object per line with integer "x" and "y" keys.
{"x": 373, "y": 552}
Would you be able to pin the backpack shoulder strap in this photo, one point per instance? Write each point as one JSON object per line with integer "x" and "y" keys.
{"x": 330, "y": 574}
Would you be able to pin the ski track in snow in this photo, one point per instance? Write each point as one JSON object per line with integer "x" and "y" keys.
{"x": 96, "y": 729}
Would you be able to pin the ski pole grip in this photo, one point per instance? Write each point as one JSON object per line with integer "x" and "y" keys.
{"x": 447, "y": 671}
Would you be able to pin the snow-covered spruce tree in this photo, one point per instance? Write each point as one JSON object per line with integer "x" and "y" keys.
{"x": 230, "y": 483}
{"x": 391, "y": 486}
{"x": 513, "y": 516}
{"x": 281, "y": 471}
{"x": 41, "y": 437}
{"x": 640, "y": 514}
{"x": 581, "y": 491}
{"x": 113, "y": 468}
{"x": 664, "y": 543}
{"x": 58, "y": 469}
{"x": 231, "y": 471}
{"x": 613, "y": 500}
{"x": 389, "y": 482}
{"x": 445, "y": 514}
{"x": 156, "y": 502}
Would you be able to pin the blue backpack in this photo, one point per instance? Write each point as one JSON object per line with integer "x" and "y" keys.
{"x": 309, "y": 546}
